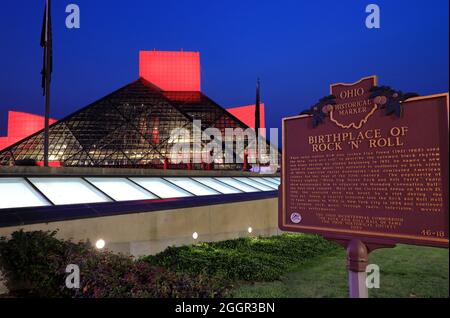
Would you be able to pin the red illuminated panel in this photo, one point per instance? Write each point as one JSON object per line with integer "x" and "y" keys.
{"x": 246, "y": 114}
{"x": 7, "y": 141}
{"x": 21, "y": 125}
{"x": 50, "y": 163}
{"x": 171, "y": 71}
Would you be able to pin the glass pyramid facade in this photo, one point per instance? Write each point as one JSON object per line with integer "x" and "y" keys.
{"x": 130, "y": 127}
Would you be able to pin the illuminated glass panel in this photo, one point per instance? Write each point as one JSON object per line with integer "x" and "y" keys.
{"x": 273, "y": 181}
{"x": 218, "y": 186}
{"x": 68, "y": 190}
{"x": 16, "y": 192}
{"x": 265, "y": 182}
{"x": 161, "y": 188}
{"x": 254, "y": 184}
{"x": 237, "y": 184}
{"x": 192, "y": 186}
{"x": 121, "y": 189}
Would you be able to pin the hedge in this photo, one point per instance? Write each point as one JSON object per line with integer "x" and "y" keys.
{"x": 34, "y": 264}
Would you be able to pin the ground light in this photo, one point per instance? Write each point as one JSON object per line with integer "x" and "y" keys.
{"x": 100, "y": 244}
{"x": 249, "y": 230}
{"x": 195, "y": 235}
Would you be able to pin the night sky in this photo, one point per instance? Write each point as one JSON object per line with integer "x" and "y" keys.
{"x": 297, "y": 48}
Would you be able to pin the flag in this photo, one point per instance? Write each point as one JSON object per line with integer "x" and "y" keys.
{"x": 46, "y": 44}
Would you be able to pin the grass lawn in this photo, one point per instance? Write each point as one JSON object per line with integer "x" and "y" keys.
{"x": 406, "y": 271}
{"x": 300, "y": 265}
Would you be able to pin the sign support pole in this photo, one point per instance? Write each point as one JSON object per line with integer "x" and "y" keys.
{"x": 357, "y": 261}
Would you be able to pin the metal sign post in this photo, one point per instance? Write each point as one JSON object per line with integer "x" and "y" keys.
{"x": 357, "y": 261}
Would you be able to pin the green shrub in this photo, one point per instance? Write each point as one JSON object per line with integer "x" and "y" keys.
{"x": 35, "y": 263}
{"x": 32, "y": 261}
{"x": 249, "y": 259}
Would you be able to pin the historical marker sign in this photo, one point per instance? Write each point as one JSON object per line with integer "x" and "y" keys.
{"x": 363, "y": 174}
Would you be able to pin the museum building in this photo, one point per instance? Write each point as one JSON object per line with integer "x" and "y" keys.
{"x": 111, "y": 177}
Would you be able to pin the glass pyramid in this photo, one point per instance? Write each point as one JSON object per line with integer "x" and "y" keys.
{"x": 130, "y": 127}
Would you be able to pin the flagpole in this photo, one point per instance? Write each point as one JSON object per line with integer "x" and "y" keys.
{"x": 257, "y": 118}
{"x": 48, "y": 61}
{"x": 47, "y": 111}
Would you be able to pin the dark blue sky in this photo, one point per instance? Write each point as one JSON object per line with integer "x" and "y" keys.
{"x": 297, "y": 48}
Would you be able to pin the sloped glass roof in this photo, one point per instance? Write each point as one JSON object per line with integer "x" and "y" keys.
{"x": 254, "y": 184}
{"x": 217, "y": 185}
{"x": 265, "y": 182}
{"x": 17, "y": 192}
{"x": 162, "y": 188}
{"x": 192, "y": 186}
{"x": 21, "y": 192}
{"x": 121, "y": 189}
{"x": 238, "y": 184}
{"x": 68, "y": 190}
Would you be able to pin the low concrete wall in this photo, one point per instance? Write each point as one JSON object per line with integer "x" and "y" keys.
{"x": 149, "y": 233}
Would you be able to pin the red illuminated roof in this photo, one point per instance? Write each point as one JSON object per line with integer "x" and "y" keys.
{"x": 246, "y": 114}
{"x": 21, "y": 125}
{"x": 171, "y": 71}
{"x": 7, "y": 141}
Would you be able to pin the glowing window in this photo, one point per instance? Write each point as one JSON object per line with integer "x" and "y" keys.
{"x": 254, "y": 184}
{"x": 192, "y": 186}
{"x": 121, "y": 189}
{"x": 68, "y": 190}
{"x": 217, "y": 185}
{"x": 161, "y": 188}
{"x": 237, "y": 184}
{"x": 16, "y": 192}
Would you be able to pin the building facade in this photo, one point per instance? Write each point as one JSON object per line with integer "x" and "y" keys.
{"x": 132, "y": 126}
